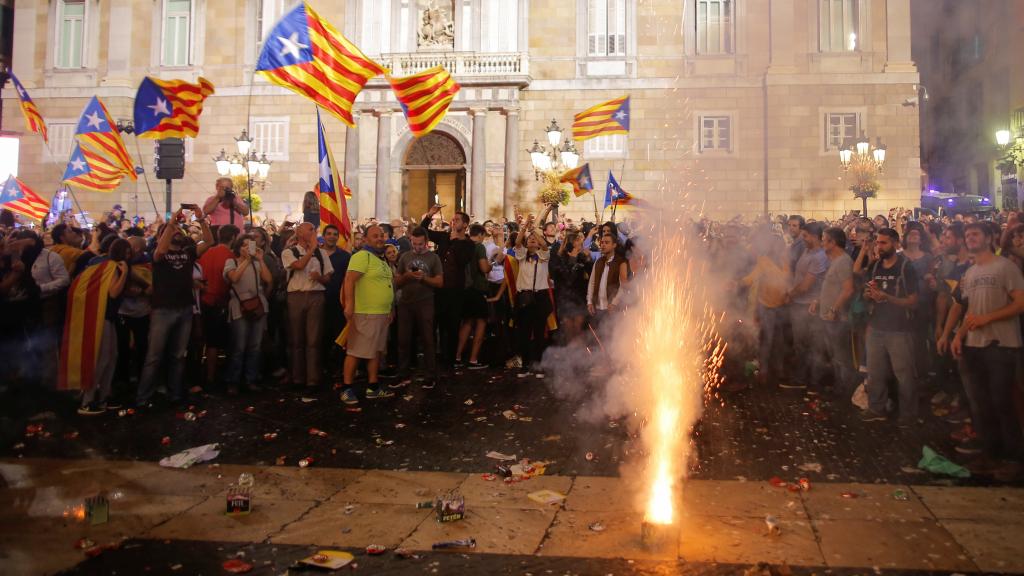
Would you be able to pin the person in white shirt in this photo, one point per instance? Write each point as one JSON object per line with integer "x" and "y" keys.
{"x": 309, "y": 270}
{"x": 610, "y": 273}
{"x": 53, "y": 279}
{"x": 533, "y": 305}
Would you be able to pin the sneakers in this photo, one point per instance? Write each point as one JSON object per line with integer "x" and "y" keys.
{"x": 348, "y": 396}
{"x": 792, "y": 386}
{"x": 93, "y": 409}
{"x": 971, "y": 446}
{"x": 959, "y": 416}
{"x": 475, "y": 365}
{"x": 964, "y": 434}
{"x": 538, "y": 375}
{"x": 524, "y": 373}
{"x": 871, "y": 416}
{"x": 429, "y": 384}
{"x": 114, "y": 405}
{"x": 378, "y": 393}
{"x": 401, "y": 383}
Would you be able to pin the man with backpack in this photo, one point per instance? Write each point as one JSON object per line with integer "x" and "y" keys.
{"x": 309, "y": 271}
{"x": 891, "y": 293}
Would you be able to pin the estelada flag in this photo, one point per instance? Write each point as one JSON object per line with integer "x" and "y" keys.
{"x": 89, "y": 170}
{"x": 580, "y": 179}
{"x": 511, "y": 273}
{"x": 20, "y": 199}
{"x": 611, "y": 117}
{"x": 83, "y": 326}
{"x": 333, "y": 207}
{"x": 97, "y": 133}
{"x": 169, "y": 108}
{"x": 33, "y": 119}
{"x": 307, "y": 55}
{"x": 425, "y": 98}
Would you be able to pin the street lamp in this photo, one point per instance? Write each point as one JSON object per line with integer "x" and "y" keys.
{"x": 862, "y": 163}
{"x": 554, "y": 133}
{"x": 244, "y": 164}
{"x": 1002, "y": 137}
{"x": 243, "y": 143}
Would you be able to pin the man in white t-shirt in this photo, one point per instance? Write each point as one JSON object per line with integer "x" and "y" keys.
{"x": 309, "y": 270}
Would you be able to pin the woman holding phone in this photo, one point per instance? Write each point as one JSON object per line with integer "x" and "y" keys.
{"x": 250, "y": 281}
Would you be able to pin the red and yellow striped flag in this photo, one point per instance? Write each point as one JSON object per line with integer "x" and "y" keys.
{"x": 333, "y": 207}
{"x": 169, "y": 108}
{"x": 611, "y": 117}
{"x": 33, "y": 119}
{"x": 425, "y": 98}
{"x": 83, "y": 326}
{"x": 307, "y": 55}
{"x": 96, "y": 132}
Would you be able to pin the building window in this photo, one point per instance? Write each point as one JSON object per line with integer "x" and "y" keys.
{"x": 841, "y": 128}
{"x": 268, "y": 12}
{"x": 270, "y": 136}
{"x": 61, "y": 135}
{"x": 376, "y": 27}
{"x": 500, "y": 26}
{"x": 839, "y": 25}
{"x": 606, "y": 28}
{"x": 70, "y": 33}
{"x": 177, "y": 33}
{"x": 715, "y": 134}
{"x": 611, "y": 146}
{"x": 715, "y": 26}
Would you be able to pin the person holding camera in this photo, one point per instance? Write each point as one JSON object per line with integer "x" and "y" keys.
{"x": 225, "y": 207}
{"x": 419, "y": 277}
{"x": 248, "y": 280}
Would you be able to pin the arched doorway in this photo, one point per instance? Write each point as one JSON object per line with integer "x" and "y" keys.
{"x": 433, "y": 171}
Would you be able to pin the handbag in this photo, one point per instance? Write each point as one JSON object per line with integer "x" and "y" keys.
{"x": 252, "y": 308}
{"x": 525, "y": 299}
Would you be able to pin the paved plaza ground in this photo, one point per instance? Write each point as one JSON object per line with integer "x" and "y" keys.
{"x": 373, "y": 466}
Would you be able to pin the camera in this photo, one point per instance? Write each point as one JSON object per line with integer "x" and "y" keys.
{"x": 229, "y": 194}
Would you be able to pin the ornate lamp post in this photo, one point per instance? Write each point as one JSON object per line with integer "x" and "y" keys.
{"x": 561, "y": 156}
{"x": 862, "y": 163}
{"x": 245, "y": 165}
{"x": 1011, "y": 162}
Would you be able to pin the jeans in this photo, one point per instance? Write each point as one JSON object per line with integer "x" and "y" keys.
{"x": 169, "y": 333}
{"x": 246, "y": 338}
{"x": 988, "y": 374}
{"x": 106, "y": 361}
{"x": 807, "y": 336}
{"x": 421, "y": 315}
{"x": 839, "y": 344}
{"x": 891, "y": 351}
{"x": 305, "y": 335}
{"x": 449, "y": 306}
{"x": 770, "y": 323}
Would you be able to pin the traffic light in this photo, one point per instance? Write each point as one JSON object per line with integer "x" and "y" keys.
{"x": 170, "y": 159}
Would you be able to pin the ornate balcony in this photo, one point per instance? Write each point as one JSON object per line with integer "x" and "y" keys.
{"x": 502, "y": 68}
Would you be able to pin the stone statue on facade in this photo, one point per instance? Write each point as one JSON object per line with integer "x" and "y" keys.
{"x": 437, "y": 31}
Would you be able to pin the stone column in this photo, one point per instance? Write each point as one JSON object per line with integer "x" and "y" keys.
{"x": 511, "y": 156}
{"x": 351, "y": 175}
{"x": 897, "y": 37}
{"x": 478, "y": 190}
{"x": 781, "y": 18}
{"x": 382, "y": 198}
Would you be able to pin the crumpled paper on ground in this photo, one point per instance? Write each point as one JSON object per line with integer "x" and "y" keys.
{"x": 187, "y": 458}
{"x": 933, "y": 462}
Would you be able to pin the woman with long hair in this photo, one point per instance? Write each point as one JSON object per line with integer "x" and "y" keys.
{"x": 249, "y": 280}
{"x": 570, "y": 271}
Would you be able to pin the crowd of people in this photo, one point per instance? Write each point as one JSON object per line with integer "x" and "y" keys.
{"x": 887, "y": 311}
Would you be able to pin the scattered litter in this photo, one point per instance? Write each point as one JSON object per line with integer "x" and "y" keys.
{"x": 465, "y": 543}
{"x": 488, "y": 476}
{"x": 18, "y": 446}
{"x": 280, "y": 460}
{"x": 500, "y": 456}
{"x": 349, "y": 509}
{"x": 589, "y": 456}
{"x": 772, "y": 524}
{"x": 405, "y": 553}
{"x": 376, "y": 549}
{"x": 901, "y": 495}
{"x": 481, "y": 418}
{"x": 84, "y": 543}
{"x": 850, "y": 495}
{"x": 399, "y": 426}
{"x": 305, "y": 400}
{"x": 468, "y": 402}
{"x": 451, "y": 507}
{"x": 270, "y": 436}
{"x": 911, "y": 470}
{"x": 305, "y": 462}
{"x": 510, "y": 415}
{"x": 777, "y": 482}
{"x": 425, "y": 505}
{"x": 383, "y": 442}
{"x": 330, "y": 559}
{"x": 71, "y": 435}
{"x": 353, "y": 409}
{"x": 547, "y": 497}
{"x": 526, "y": 419}
{"x": 176, "y": 567}
{"x": 810, "y": 467}
{"x": 597, "y": 527}
{"x": 551, "y": 438}
{"x": 250, "y": 409}
{"x": 165, "y": 441}
{"x": 236, "y": 566}
{"x": 317, "y": 432}
{"x": 937, "y": 464}
{"x": 187, "y": 458}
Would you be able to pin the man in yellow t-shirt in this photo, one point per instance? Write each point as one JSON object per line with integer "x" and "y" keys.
{"x": 368, "y": 297}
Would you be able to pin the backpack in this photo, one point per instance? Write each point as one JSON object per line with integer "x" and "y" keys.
{"x": 316, "y": 254}
{"x": 901, "y": 285}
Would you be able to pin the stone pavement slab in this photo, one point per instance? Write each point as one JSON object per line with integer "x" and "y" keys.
{"x": 732, "y": 539}
{"x": 392, "y": 487}
{"x": 841, "y": 501}
{"x": 496, "y": 530}
{"x": 496, "y": 493}
{"x": 294, "y": 483}
{"x": 992, "y": 547}
{"x": 740, "y": 499}
{"x": 208, "y": 521}
{"x": 600, "y": 493}
{"x": 906, "y": 545}
{"x": 354, "y": 525}
{"x": 571, "y": 535}
{"x": 994, "y": 504}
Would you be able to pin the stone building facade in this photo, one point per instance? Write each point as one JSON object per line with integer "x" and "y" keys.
{"x": 737, "y": 105}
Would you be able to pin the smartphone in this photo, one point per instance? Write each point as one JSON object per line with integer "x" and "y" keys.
{"x": 250, "y": 245}
{"x": 193, "y": 207}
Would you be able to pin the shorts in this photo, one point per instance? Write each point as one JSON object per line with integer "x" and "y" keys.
{"x": 368, "y": 335}
{"x": 475, "y": 305}
{"x": 216, "y": 329}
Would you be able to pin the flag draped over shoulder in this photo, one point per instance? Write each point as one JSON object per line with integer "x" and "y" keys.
{"x": 83, "y": 326}
{"x": 98, "y": 134}
{"x": 307, "y": 55}
{"x": 580, "y": 179}
{"x": 511, "y": 273}
{"x": 89, "y": 170}
{"x": 425, "y": 98}
{"x": 611, "y": 117}
{"x": 333, "y": 207}
{"x": 169, "y": 108}
{"x": 20, "y": 199}
{"x": 33, "y": 119}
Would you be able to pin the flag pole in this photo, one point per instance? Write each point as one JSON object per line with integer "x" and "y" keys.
{"x": 62, "y": 185}
{"x": 145, "y": 177}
